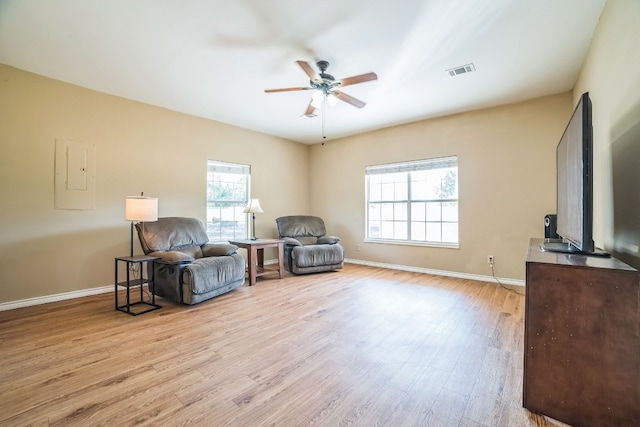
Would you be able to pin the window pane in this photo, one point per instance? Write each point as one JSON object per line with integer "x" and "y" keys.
{"x": 374, "y": 212}
{"x": 449, "y": 183}
{"x": 387, "y": 191}
{"x": 400, "y": 230}
{"x": 386, "y": 230}
{"x": 450, "y": 211}
{"x": 420, "y": 186}
{"x": 374, "y": 228}
{"x": 434, "y": 231}
{"x": 434, "y": 211}
{"x": 450, "y": 232}
{"x": 375, "y": 191}
{"x": 386, "y": 211}
{"x": 401, "y": 190}
{"x": 418, "y": 211}
{"x": 400, "y": 211}
{"x": 418, "y": 231}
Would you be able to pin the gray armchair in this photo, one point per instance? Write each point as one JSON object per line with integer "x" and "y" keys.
{"x": 307, "y": 248}
{"x": 190, "y": 270}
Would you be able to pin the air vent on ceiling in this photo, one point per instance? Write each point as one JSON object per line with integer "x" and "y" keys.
{"x": 463, "y": 69}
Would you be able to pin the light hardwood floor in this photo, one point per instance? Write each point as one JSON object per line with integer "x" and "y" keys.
{"x": 363, "y": 346}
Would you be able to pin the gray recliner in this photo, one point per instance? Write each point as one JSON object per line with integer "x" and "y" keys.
{"x": 307, "y": 248}
{"x": 190, "y": 269}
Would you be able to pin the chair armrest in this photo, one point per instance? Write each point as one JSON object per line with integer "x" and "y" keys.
{"x": 328, "y": 240}
{"x": 173, "y": 257}
{"x": 218, "y": 249}
{"x": 290, "y": 241}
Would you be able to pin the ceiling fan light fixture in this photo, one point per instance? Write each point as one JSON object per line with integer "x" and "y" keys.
{"x": 317, "y": 98}
{"x": 332, "y": 99}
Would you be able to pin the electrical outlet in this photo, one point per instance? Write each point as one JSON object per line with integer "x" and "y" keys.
{"x": 357, "y": 247}
{"x": 490, "y": 260}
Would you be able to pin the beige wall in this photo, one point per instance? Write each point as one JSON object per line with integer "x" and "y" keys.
{"x": 611, "y": 75}
{"x": 44, "y": 251}
{"x": 506, "y": 159}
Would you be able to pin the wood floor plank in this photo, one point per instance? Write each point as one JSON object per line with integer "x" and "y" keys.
{"x": 362, "y": 346}
{"x": 448, "y": 409}
{"x": 421, "y": 397}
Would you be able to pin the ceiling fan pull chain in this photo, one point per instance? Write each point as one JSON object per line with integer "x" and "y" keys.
{"x": 324, "y": 113}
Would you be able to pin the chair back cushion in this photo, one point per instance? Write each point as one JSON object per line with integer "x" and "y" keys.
{"x": 171, "y": 233}
{"x": 300, "y": 225}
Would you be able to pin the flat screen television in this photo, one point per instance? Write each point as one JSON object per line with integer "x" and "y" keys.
{"x": 574, "y": 184}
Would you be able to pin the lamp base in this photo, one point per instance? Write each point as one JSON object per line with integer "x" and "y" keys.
{"x": 131, "y": 238}
{"x": 253, "y": 223}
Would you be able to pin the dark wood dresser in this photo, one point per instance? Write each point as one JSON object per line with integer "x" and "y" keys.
{"x": 582, "y": 339}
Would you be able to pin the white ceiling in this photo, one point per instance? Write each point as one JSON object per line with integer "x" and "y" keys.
{"x": 214, "y": 58}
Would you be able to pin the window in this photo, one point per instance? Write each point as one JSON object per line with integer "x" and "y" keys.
{"x": 413, "y": 202}
{"x": 227, "y": 196}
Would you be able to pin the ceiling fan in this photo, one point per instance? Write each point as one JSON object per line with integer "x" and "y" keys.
{"x": 325, "y": 86}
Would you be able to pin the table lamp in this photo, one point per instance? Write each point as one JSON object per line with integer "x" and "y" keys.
{"x": 140, "y": 209}
{"x": 253, "y": 207}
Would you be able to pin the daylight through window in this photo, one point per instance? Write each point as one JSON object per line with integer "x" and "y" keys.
{"x": 413, "y": 202}
{"x": 227, "y": 196}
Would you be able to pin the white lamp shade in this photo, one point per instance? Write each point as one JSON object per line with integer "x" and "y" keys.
{"x": 317, "y": 98}
{"x": 332, "y": 99}
{"x": 139, "y": 208}
{"x": 253, "y": 207}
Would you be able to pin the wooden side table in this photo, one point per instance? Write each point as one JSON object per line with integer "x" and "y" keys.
{"x": 255, "y": 256}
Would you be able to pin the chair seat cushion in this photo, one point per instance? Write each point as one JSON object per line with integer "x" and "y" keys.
{"x": 173, "y": 257}
{"x": 208, "y": 274}
{"x": 317, "y": 255}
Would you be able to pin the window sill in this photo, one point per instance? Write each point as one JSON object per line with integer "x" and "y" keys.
{"x": 413, "y": 243}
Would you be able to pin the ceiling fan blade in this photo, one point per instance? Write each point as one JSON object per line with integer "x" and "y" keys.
{"x": 349, "y": 99}
{"x": 309, "y": 111}
{"x": 308, "y": 70}
{"x": 358, "y": 79}
{"x": 287, "y": 89}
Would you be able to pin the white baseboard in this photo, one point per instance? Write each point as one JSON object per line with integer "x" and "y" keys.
{"x": 104, "y": 289}
{"x": 53, "y": 298}
{"x": 456, "y": 274}
{"x": 503, "y": 280}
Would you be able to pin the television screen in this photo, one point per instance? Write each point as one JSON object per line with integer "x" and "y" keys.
{"x": 574, "y": 179}
{"x": 574, "y": 185}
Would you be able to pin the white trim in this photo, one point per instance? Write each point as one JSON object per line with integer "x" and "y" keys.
{"x": 105, "y": 289}
{"x": 53, "y": 298}
{"x": 442, "y": 245}
{"x": 413, "y": 165}
{"x": 456, "y": 274}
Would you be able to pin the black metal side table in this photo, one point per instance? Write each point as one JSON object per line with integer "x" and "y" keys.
{"x": 140, "y": 281}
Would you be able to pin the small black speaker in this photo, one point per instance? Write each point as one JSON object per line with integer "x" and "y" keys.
{"x": 550, "y": 226}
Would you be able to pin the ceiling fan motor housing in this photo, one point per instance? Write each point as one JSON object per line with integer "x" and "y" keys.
{"x": 322, "y": 66}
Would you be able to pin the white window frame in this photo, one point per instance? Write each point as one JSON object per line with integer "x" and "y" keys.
{"x": 389, "y": 217}
{"x": 228, "y": 222}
